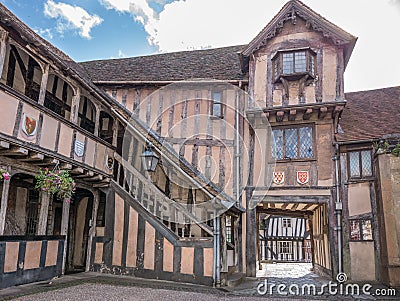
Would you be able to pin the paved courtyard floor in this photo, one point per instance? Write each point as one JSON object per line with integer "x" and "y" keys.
{"x": 286, "y": 270}
{"x": 96, "y": 286}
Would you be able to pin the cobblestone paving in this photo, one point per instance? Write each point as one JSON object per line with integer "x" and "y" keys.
{"x": 286, "y": 270}
{"x": 299, "y": 276}
{"x": 92, "y": 291}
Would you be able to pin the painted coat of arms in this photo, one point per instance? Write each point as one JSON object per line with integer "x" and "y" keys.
{"x": 278, "y": 177}
{"x": 303, "y": 177}
{"x": 29, "y": 125}
{"x": 79, "y": 148}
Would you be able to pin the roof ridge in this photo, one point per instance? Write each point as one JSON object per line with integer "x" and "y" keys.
{"x": 376, "y": 89}
{"x": 163, "y": 53}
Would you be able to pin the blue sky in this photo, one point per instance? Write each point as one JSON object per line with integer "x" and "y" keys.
{"x": 103, "y": 29}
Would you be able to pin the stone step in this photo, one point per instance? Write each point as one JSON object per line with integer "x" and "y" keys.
{"x": 235, "y": 279}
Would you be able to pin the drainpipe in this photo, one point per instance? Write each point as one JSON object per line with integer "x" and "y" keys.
{"x": 217, "y": 252}
{"x": 338, "y": 208}
{"x": 237, "y": 145}
{"x": 218, "y": 261}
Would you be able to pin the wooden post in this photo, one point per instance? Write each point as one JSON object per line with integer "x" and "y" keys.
{"x": 75, "y": 106}
{"x": 224, "y": 249}
{"x": 64, "y": 230}
{"x": 3, "y": 207}
{"x": 97, "y": 122}
{"x": 3, "y": 49}
{"x": 115, "y": 130}
{"x": 310, "y": 223}
{"x": 44, "y": 213}
{"x": 92, "y": 229}
{"x": 43, "y": 84}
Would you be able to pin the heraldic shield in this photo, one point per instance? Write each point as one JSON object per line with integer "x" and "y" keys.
{"x": 303, "y": 177}
{"x": 279, "y": 177}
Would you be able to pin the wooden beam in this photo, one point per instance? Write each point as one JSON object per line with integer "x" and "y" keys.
{"x": 66, "y": 166}
{"x": 292, "y": 115}
{"x": 33, "y": 157}
{"x": 14, "y": 151}
{"x": 86, "y": 174}
{"x": 322, "y": 112}
{"x": 3, "y": 207}
{"x": 4, "y": 145}
{"x": 77, "y": 171}
{"x": 95, "y": 178}
{"x": 337, "y": 110}
{"x": 307, "y": 114}
{"x": 48, "y": 162}
{"x": 289, "y": 213}
{"x": 280, "y": 115}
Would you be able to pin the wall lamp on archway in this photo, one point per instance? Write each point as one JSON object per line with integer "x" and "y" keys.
{"x": 150, "y": 158}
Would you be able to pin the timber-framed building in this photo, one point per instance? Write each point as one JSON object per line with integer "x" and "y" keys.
{"x": 336, "y": 166}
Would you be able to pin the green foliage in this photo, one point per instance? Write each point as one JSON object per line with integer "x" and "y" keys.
{"x": 396, "y": 150}
{"x": 59, "y": 183}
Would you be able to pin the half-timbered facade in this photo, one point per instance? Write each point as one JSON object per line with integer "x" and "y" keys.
{"x": 284, "y": 239}
{"x": 239, "y": 133}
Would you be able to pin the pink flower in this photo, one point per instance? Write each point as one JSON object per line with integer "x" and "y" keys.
{"x": 44, "y": 189}
{"x": 67, "y": 200}
{"x": 6, "y": 176}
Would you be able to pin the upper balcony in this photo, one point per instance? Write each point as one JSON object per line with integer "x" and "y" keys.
{"x": 49, "y": 117}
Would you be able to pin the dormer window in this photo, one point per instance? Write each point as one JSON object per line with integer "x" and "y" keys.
{"x": 294, "y": 64}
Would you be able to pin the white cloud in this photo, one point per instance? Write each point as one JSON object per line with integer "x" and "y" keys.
{"x": 197, "y": 24}
{"x": 141, "y": 12}
{"x": 44, "y": 32}
{"x": 71, "y": 17}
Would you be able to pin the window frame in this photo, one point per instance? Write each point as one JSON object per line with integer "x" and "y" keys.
{"x": 359, "y": 221}
{"x": 220, "y": 103}
{"x": 286, "y": 222}
{"x": 360, "y": 168}
{"x": 297, "y": 158}
{"x": 310, "y": 64}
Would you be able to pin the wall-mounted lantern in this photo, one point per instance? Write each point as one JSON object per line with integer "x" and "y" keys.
{"x": 149, "y": 158}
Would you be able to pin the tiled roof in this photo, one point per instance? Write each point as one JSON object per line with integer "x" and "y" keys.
{"x": 370, "y": 115}
{"x": 218, "y": 63}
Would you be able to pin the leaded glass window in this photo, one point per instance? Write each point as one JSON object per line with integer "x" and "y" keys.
{"x": 293, "y": 64}
{"x": 277, "y": 146}
{"x": 360, "y": 164}
{"x": 355, "y": 233}
{"x": 366, "y": 228}
{"x": 354, "y": 164}
{"x": 293, "y": 143}
{"x": 366, "y": 163}
{"x": 361, "y": 229}
{"x": 287, "y": 63}
{"x": 306, "y": 144}
{"x": 300, "y": 61}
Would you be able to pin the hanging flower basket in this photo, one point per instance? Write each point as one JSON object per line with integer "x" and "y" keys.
{"x": 4, "y": 175}
{"x": 56, "y": 182}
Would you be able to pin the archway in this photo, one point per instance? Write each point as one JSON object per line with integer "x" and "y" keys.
{"x": 80, "y": 215}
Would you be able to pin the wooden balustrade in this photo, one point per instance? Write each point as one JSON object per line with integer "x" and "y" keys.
{"x": 156, "y": 202}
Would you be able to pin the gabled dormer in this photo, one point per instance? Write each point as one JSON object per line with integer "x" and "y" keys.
{"x": 298, "y": 58}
